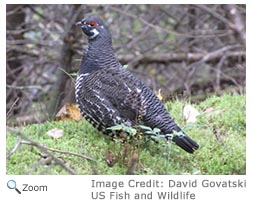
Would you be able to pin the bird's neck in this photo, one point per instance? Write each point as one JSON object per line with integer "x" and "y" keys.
{"x": 99, "y": 55}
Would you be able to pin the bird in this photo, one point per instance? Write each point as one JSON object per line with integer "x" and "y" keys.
{"x": 108, "y": 94}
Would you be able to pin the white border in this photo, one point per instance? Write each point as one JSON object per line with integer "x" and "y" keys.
{"x": 76, "y": 189}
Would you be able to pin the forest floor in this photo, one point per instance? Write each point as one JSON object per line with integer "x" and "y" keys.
{"x": 219, "y": 129}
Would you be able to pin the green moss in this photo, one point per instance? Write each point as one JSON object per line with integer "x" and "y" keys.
{"x": 220, "y": 133}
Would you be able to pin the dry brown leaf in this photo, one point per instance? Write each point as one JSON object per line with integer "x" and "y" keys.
{"x": 69, "y": 112}
{"x": 55, "y": 133}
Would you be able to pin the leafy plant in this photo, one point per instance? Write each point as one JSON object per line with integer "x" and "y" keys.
{"x": 220, "y": 130}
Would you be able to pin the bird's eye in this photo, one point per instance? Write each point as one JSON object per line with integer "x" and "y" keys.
{"x": 92, "y": 23}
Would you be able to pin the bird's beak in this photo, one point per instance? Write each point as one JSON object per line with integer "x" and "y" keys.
{"x": 79, "y": 23}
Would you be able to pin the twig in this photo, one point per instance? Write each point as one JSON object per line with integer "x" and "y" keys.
{"x": 13, "y": 104}
{"x": 220, "y": 139}
{"x": 216, "y": 15}
{"x": 14, "y": 11}
{"x": 14, "y": 149}
{"x": 175, "y": 57}
{"x": 40, "y": 147}
{"x": 36, "y": 12}
{"x": 210, "y": 56}
{"x": 69, "y": 75}
{"x": 60, "y": 151}
{"x": 25, "y": 87}
{"x": 186, "y": 35}
{"x": 237, "y": 21}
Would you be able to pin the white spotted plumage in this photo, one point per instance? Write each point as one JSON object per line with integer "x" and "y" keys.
{"x": 108, "y": 94}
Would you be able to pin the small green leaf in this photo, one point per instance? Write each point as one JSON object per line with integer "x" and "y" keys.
{"x": 150, "y": 132}
{"x": 171, "y": 37}
{"x": 73, "y": 74}
{"x": 116, "y": 127}
{"x": 156, "y": 130}
{"x": 130, "y": 131}
{"x": 143, "y": 127}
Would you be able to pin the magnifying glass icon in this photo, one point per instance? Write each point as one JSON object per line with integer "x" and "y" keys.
{"x": 11, "y": 184}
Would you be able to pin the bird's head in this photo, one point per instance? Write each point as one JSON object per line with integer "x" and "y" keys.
{"x": 93, "y": 27}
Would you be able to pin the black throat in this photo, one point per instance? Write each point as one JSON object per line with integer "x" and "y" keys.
{"x": 99, "y": 55}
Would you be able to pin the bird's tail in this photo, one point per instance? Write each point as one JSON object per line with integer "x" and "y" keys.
{"x": 185, "y": 142}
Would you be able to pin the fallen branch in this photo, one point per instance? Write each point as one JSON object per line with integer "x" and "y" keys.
{"x": 213, "y": 55}
{"x": 60, "y": 151}
{"x": 44, "y": 149}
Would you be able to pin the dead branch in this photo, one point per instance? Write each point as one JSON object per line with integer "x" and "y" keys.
{"x": 195, "y": 34}
{"x": 60, "y": 151}
{"x": 12, "y": 106}
{"x": 210, "y": 56}
{"x": 42, "y": 148}
{"x": 177, "y": 57}
{"x": 238, "y": 23}
{"x": 24, "y": 87}
{"x": 215, "y": 14}
{"x": 172, "y": 40}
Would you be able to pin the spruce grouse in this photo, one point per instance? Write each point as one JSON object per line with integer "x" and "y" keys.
{"x": 108, "y": 94}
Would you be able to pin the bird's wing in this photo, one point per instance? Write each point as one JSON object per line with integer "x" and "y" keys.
{"x": 109, "y": 98}
{"x": 115, "y": 96}
{"x": 123, "y": 93}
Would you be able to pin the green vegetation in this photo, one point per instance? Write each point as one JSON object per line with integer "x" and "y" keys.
{"x": 219, "y": 130}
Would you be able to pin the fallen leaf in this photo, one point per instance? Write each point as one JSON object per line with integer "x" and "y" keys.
{"x": 55, "y": 133}
{"x": 190, "y": 113}
{"x": 211, "y": 111}
{"x": 69, "y": 112}
{"x": 159, "y": 95}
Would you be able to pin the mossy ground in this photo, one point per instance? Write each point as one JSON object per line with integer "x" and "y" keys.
{"x": 221, "y": 135}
